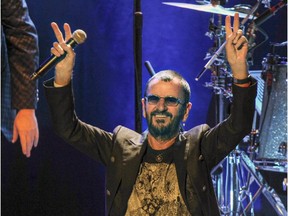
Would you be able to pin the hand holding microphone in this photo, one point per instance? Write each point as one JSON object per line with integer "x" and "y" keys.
{"x": 63, "y": 55}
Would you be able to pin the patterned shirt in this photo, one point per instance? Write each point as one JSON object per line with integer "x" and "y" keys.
{"x": 156, "y": 190}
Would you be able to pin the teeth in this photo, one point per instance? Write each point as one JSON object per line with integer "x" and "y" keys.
{"x": 160, "y": 116}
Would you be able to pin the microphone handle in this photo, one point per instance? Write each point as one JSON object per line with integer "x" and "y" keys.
{"x": 46, "y": 66}
{"x": 49, "y": 63}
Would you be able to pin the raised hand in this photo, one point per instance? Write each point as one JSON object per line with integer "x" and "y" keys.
{"x": 236, "y": 47}
{"x": 64, "y": 69}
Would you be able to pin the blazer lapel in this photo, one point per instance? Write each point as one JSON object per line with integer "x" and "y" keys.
{"x": 181, "y": 148}
{"x": 132, "y": 158}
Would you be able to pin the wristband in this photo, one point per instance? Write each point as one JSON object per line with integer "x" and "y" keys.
{"x": 57, "y": 85}
{"x": 242, "y": 81}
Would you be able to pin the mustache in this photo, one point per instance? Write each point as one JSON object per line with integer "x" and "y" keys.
{"x": 157, "y": 112}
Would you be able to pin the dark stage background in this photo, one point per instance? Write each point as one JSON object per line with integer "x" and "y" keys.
{"x": 65, "y": 182}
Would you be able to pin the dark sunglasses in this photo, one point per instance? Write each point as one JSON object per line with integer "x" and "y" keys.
{"x": 169, "y": 100}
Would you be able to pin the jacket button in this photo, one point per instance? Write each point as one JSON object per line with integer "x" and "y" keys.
{"x": 204, "y": 188}
{"x": 108, "y": 192}
{"x": 201, "y": 158}
{"x": 112, "y": 159}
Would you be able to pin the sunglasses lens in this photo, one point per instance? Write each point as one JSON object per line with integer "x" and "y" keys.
{"x": 153, "y": 99}
{"x": 171, "y": 101}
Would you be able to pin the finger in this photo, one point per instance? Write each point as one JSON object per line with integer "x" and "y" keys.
{"x": 236, "y": 22}
{"x": 15, "y": 134}
{"x": 68, "y": 33}
{"x": 57, "y": 32}
{"x": 241, "y": 43}
{"x": 29, "y": 143}
{"x": 245, "y": 48}
{"x": 36, "y": 138}
{"x": 228, "y": 27}
{"x": 23, "y": 142}
{"x": 57, "y": 50}
{"x": 68, "y": 49}
{"x": 238, "y": 35}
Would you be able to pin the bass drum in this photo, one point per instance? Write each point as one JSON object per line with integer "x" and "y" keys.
{"x": 272, "y": 152}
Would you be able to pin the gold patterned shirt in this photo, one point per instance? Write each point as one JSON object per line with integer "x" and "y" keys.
{"x": 156, "y": 191}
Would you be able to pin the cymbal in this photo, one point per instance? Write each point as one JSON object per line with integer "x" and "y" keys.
{"x": 285, "y": 43}
{"x": 218, "y": 9}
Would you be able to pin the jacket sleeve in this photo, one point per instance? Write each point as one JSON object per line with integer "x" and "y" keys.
{"x": 219, "y": 141}
{"x": 22, "y": 47}
{"x": 90, "y": 140}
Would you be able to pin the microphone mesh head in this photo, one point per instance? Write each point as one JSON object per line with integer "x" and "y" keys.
{"x": 79, "y": 36}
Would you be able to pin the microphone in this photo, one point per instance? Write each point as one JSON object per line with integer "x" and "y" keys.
{"x": 270, "y": 12}
{"x": 79, "y": 36}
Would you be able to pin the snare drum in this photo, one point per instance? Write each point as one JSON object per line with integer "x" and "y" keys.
{"x": 273, "y": 119}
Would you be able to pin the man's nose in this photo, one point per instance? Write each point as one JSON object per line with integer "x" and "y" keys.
{"x": 161, "y": 105}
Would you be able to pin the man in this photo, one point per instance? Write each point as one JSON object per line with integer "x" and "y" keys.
{"x": 163, "y": 171}
{"x": 19, "y": 127}
{"x": 19, "y": 59}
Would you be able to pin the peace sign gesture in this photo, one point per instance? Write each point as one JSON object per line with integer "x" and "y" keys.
{"x": 64, "y": 69}
{"x": 236, "y": 48}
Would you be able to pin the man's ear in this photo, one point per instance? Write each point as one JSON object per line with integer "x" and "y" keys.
{"x": 143, "y": 107}
{"x": 187, "y": 110}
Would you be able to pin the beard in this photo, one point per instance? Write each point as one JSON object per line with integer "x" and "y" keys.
{"x": 161, "y": 131}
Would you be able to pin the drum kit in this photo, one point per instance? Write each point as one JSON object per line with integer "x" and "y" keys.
{"x": 235, "y": 176}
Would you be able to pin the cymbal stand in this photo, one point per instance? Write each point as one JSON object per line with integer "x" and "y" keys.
{"x": 255, "y": 177}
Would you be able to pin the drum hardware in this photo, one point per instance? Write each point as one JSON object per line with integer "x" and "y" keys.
{"x": 254, "y": 176}
{"x": 282, "y": 149}
{"x": 266, "y": 3}
{"x": 285, "y": 43}
{"x": 242, "y": 173}
{"x": 203, "y": 2}
{"x": 221, "y": 83}
{"x": 254, "y": 27}
{"x": 257, "y": 75}
{"x": 217, "y": 9}
{"x": 254, "y": 143}
{"x": 284, "y": 184}
{"x": 217, "y": 54}
{"x": 238, "y": 198}
{"x": 242, "y": 8}
{"x": 252, "y": 45}
{"x": 267, "y": 73}
{"x": 232, "y": 198}
{"x": 271, "y": 165}
{"x": 149, "y": 68}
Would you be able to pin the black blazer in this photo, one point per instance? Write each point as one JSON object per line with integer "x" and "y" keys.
{"x": 196, "y": 151}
